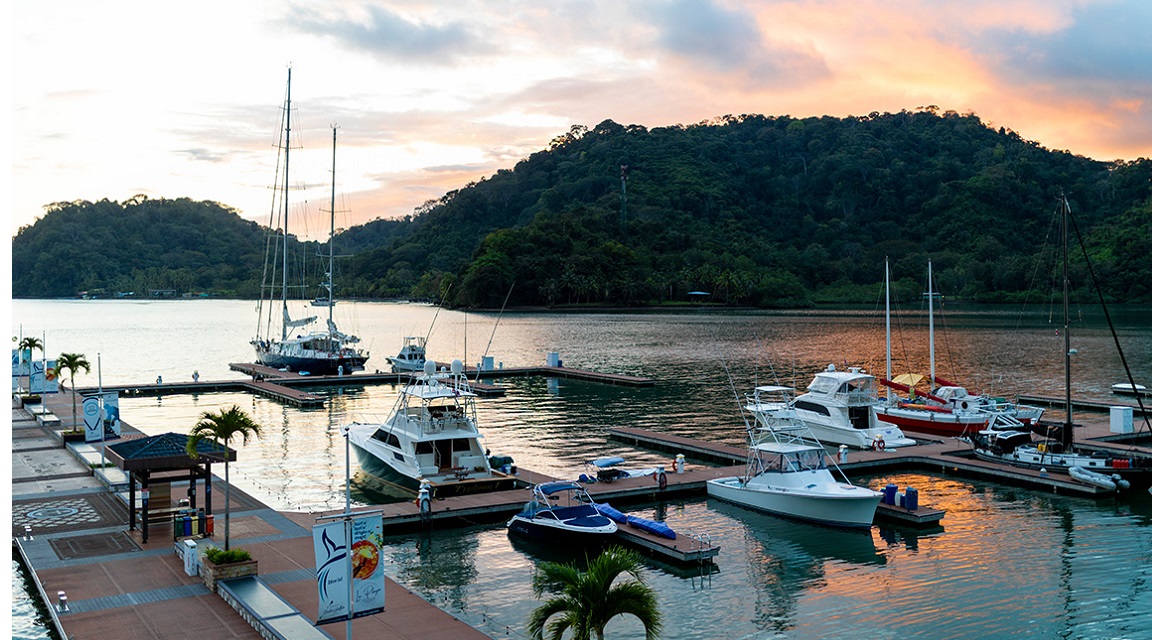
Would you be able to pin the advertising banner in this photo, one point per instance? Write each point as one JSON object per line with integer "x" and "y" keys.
{"x": 335, "y": 568}
{"x": 93, "y": 424}
{"x": 43, "y": 377}
{"x": 111, "y": 415}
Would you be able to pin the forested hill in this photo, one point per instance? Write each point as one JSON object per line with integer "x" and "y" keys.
{"x": 768, "y": 211}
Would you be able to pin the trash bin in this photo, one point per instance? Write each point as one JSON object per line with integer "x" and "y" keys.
{"x": 190, "y": 556}
{"x": 209, "y": 530}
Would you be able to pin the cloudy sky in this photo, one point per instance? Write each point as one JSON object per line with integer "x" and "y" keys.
{"x": 183, "y": 99}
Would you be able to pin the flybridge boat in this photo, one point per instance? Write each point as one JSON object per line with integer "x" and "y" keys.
{"x": 839, "y": 408}
{"x": 430, "y": 437}
{"x": 787, "y": 472}
{"x": 573, "y": 519}
{"x": 412, "y": 355}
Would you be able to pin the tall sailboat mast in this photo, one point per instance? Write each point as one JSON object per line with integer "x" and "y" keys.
{"x": 931, "y": 334}
{"x": 887, "y": 331}
{"x": 284, "y": 226}
{"x": 1066, "y": 432}
{"x": 332, "y": 235}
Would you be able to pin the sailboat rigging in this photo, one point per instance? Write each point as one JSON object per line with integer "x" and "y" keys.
{"x": 323, "y": 352}
{"x": 1109, "y": 471}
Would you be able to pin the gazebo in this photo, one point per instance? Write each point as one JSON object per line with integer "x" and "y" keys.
{"x": 161, "y": 460}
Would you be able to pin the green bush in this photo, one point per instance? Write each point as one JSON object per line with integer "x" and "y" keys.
{"x": 220, "y": 556}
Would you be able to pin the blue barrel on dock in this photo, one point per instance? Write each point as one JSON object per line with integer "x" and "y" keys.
{"x": 911, "y": 499}
{"x": 890, "y": 494}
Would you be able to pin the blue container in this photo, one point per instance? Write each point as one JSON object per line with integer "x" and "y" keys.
{"x": 890, "y": 494}
{"x": 911, "y": 499}
{"x": 187, "y": 525}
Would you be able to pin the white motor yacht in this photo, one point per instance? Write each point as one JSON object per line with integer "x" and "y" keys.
{"x": 431, "y": 436}
{"x": 840, "y": 408}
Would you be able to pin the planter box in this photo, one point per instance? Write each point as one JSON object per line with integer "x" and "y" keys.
{"x": 27, "y": 400}
{"x": 71, "y": 437}
{"x": 213, "y": 573}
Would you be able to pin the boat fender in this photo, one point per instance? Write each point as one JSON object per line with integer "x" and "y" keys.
{"x": 662, "y": 479}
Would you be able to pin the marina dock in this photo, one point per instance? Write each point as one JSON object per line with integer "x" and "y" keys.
{"x": 283, "y": 386}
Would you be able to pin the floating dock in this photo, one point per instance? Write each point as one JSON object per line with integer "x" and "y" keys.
{"x": 1083, "y": 405}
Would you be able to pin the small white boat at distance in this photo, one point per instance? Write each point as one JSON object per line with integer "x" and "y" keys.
{"x": 1129, "y": 389}
{"x": 573, "y": 519}
{"x": 412, "y": 355}
{"x": 840, "y": 408}
{"x": 431, "y": 436}
{"x": 787, "y": 472}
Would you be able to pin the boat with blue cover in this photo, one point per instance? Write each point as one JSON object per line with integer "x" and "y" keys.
{"x": 562, "y": 511}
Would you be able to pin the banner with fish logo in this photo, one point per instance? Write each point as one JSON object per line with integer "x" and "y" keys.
{"x": 335, "y": 567}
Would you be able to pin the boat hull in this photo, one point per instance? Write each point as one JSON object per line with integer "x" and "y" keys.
{"x": 949, "y": 425}
{"x": 386, "y": 473}
{"x": 556, "y": 533}
{"x": 852, "y": 507}
{"x": 314, "y": 366}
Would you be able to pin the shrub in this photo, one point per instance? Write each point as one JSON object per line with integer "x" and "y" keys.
{"x": 219, "y": 556}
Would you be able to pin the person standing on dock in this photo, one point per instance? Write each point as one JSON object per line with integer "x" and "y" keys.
{"x": 159, "y": 380}
{"x": 196, "y": 376}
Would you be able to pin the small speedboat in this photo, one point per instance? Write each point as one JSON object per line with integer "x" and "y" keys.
{"x": 562, "y": 511}
{"x": 1129, "y": 389}
{"x": 787, "y": 472}
{"x": 607, "y": 469}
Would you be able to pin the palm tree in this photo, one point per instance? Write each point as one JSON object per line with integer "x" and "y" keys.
{"x": 222, "y": 426}
{"x": 28, "y": 344}
{"x": 73, "y": 362}
{"x": 587, "y": 600}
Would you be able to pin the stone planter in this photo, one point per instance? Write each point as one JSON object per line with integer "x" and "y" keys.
{"x": 66, "y": 437}
{"x": 213, "y": 573}
{"x": 27, "y": 400}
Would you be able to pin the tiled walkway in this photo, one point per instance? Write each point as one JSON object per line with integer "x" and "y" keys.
{"x": 121, "y": 588}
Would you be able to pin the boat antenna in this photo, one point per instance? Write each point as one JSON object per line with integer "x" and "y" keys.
{"x": 1107, "y": 317}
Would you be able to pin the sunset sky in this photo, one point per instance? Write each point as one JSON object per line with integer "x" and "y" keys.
{"x": 112, "y": 99}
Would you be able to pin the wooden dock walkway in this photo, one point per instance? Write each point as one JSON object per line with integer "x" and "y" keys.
{"x": 282, "y": 385}
{"x": 1084, "y": 405}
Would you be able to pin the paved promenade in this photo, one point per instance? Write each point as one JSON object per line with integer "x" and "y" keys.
{"x": 120, "y": 588}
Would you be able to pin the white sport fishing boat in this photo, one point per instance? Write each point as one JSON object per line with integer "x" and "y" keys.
{"x": 787, "y": 472}
{"x": 412, "y": 355}
{"x": 431, "y": 437}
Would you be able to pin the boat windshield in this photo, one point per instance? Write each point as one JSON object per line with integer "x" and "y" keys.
{"x": 798, "y": 461}
{"x": 860, "y": 388}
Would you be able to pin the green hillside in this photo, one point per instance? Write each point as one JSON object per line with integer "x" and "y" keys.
{"x": 756, "y": 210}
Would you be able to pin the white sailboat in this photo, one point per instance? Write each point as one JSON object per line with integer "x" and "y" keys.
{"x": 320, "y": 351}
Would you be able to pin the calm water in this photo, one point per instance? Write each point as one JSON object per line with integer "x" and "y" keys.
{"x": 1008, "y": 561}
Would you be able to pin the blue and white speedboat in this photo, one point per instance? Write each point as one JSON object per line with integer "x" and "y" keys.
{"x": 562, "y": 511}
